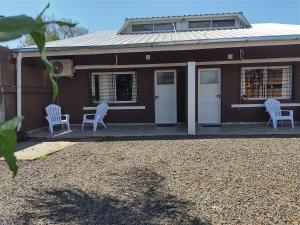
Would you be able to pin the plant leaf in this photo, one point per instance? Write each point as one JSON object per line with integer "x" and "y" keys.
{"x": 8, "y": 140}
{"x": 14, "y": 27}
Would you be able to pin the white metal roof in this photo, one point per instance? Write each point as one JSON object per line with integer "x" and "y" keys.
{"x": 110, "y": 39}
{"x": 163, "y": 19}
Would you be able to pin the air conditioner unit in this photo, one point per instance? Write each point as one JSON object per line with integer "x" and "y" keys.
{"x": 63, "y": 67}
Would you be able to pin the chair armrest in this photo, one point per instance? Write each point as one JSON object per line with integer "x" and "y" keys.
{"x": 86, "y": 115}
{"x": 291, "y": 112}
{"x": 67, "y": 116}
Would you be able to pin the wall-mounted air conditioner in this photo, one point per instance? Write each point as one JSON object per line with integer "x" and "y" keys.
{"x": 63, "y": 67}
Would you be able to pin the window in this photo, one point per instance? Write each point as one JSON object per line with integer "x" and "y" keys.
{"x": 199, "y": 24}
{"x": 119, "y": 87}
{"x": 152, "y": 27}
{"x": 163, "y": 26}
{"x": 223, "y": 23}
{"x": 141, "y": 27}
{"x": 165, "y": 78}
{"x": 266, "y": 82}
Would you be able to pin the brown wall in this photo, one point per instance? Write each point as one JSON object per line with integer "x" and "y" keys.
{"x": 36, "y": 92}
{"x": 75, "y": 94}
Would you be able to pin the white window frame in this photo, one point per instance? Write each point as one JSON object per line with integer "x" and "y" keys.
{"x": 211, "y": 27}
{"x": 265, "y": 68}
{"x": 153, "y": 31}
{"x": 134, "y": 82}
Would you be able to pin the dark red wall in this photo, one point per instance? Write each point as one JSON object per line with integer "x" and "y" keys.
{"x": 74, "y": 93}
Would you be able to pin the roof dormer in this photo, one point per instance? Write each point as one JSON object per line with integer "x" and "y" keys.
{"x": 184, "y": 23}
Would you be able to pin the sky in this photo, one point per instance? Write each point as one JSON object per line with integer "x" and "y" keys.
{"x": 109, "y": 14}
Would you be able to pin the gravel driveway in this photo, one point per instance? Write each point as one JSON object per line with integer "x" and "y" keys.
{"x": 197, "y": 181}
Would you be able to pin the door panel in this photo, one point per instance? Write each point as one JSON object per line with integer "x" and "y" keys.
{"x": 165, "y": 97}
{"x": 209, "y": 96}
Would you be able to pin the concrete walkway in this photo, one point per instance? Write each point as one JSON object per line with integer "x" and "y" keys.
{"x": 238, "y": 130}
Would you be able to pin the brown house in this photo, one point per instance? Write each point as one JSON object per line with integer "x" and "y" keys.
{"x": 206, "y": 69}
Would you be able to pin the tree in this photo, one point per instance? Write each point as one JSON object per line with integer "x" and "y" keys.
{"x": 55, "y": 32}
{"x": 11, "y": 28}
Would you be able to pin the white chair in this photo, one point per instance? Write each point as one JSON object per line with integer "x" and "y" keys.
{"x": 276, "y": 114}
{"x": 97, "y": 117}
{"x": 54, "y": 117}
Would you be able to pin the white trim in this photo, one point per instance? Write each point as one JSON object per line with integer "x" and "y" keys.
{"x": 225, "y": 62}
{"x": 19, "y": 88}
{"x": 89, "y": 67}
{"x": 249, "y": 61}
{"x": 170, "y": 46}
{"x": 129, "y": 107}
{"x": 191, "y": 98}
{"x": 262, "y": 105}
{"x": 155, "y": 85}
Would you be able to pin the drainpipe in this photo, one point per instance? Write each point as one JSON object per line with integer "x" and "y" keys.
{"x": 19, "y": 83}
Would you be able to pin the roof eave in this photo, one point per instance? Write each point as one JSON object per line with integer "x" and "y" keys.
{"x": 220, "y": 40}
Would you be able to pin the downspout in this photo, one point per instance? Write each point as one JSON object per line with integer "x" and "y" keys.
{"x": 19, "y": 83}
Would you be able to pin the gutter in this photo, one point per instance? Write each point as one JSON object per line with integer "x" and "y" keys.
{"x": 169, "y": 46}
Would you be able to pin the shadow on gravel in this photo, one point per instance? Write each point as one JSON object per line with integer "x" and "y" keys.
{"x": 149, "y": 203}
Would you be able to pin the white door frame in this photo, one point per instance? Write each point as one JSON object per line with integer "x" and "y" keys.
{"x": 220, "y": 88}
{"x": 155, "y": 94}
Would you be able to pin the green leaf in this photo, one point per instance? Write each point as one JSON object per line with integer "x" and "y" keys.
{"x": 8, "y": 140}
{"x": 11, "y": 124}
{"x": 14, "y": 27}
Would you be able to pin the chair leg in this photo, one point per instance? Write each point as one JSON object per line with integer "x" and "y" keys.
{"x": 274, "y": 123}
{"x": 268, "y": 122}
{"x": 82, "y": 126}
{"x": 95, "y": 126}
{"x": 51, "y": 129}
{"x": 103, "y": 124}
{"x": 68, "y": 125}
{"x": 292, "y": 120}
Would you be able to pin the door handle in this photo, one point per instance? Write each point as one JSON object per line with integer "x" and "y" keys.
{"x": 218, "y": 96}
{"x": 156, "y": 97}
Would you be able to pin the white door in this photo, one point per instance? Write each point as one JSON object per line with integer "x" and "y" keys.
{"x": 209, "y": 96}
{"x": 165, "y": 97}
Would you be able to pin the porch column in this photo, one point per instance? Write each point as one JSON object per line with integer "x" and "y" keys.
{"x": 19, "y": 82}
{"x": 191, "y": 67}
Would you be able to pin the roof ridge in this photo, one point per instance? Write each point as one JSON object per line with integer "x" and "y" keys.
{"x": 185, "y": 15}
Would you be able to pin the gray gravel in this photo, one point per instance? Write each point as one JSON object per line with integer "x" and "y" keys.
{"x": 197, "y": 181}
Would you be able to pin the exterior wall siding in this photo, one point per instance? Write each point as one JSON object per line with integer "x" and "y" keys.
{"x": 75, "y": 93}
{"x": 73, "y": 88}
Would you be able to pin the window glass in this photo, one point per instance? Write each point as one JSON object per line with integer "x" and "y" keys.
{"x": 141, "y": 27}
{"x": 207, "y": 77}
{"x": 254, "y": 83}
{"x": 163, "y": 26}
{"x": 113, "y": 87}
{"x": 164, "y": 78}
{"x": 199, "y": 24}
{"x": 223, "y": 23}
{"x": 124, "y": 87}
{"x": 274, "y": 82}
{"x": 262, "y": 83}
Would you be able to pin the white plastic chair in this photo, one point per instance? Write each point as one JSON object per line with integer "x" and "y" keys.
{"x": 55, "y": 117}
{"x": 275, "y": 112}
{"x": 97, "y": 117}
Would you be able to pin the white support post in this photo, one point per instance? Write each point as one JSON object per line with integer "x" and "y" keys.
{"x": 19, "y": 83}
{"x": 191, "y": 98}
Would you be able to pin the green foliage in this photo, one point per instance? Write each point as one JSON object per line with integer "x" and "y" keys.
{"x": 8, "y": 139}
{"x": 55, "y": 32}
{"x": 12, "y": 28}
